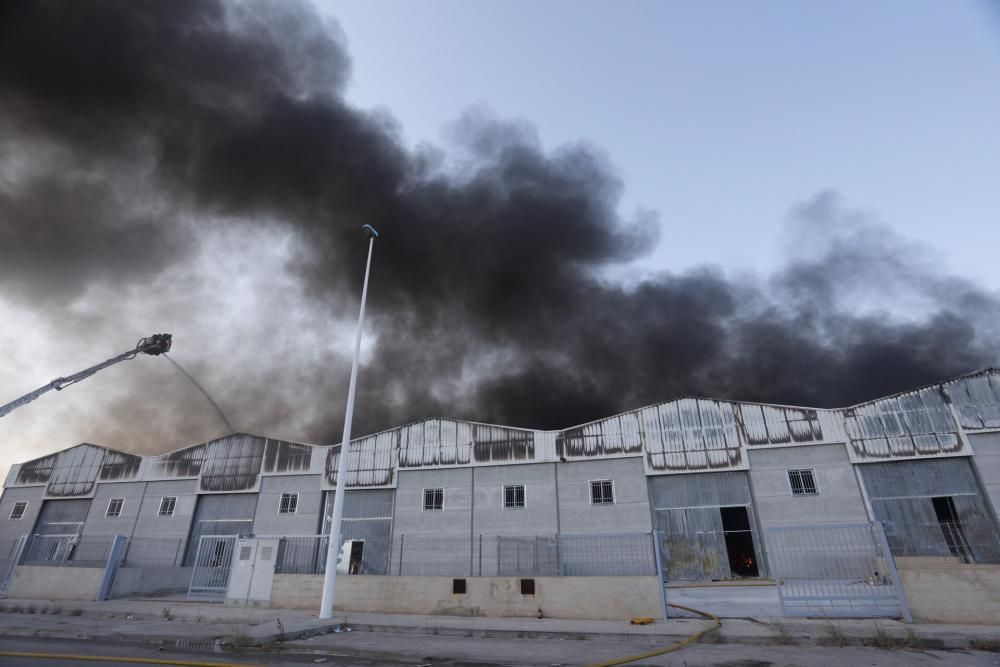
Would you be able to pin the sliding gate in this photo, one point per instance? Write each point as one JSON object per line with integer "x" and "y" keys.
{"x": 836, "y": 570}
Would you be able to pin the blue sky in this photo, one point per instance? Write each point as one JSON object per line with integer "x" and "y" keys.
{"x": 722, "y": 116}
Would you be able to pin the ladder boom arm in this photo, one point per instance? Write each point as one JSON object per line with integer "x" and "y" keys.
{"x": 156, "y": 344}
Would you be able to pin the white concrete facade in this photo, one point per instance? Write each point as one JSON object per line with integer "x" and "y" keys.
{"x": 987, "y": 460}
{"x": 838, "y": 498}
{"x": 680, "y": 467}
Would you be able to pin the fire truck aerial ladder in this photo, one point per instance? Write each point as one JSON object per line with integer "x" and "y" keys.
{"x": 155, "y": 344}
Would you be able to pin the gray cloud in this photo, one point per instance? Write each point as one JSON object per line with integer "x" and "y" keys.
{"x": 193, "y": 166}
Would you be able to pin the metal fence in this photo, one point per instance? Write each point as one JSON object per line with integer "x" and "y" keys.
{"x": 68, "y": 550}
{"x": 969, "y": 541}
{"x": 476, "y": 556}
{"x": 10, "y": 554}
{"x": 835, "y": 570}
{"x": 211, "y": 567}
{"x": 154, "y": 552}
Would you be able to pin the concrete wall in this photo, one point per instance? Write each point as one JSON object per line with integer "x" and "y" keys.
{"x": 558, "y": 597}
{"x": 151, "y": 524}
{"x": 839, "y": 498}
{"x": 456, "y": 517}
{"x": 131, "y": 581}
{"x": 943, "y": 590}
{"x": 537, "y": 517}
{"x": 55, "y": 583}
{"x": 628, "y": 514}
{"x": 987, "y": 460}
{"x": 98, "y": 524}
{"x": 11, "y": 529}
{"x": 306, "y": 520}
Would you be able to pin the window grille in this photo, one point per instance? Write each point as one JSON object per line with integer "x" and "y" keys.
{"x": 802, "y": 482}
{"x": 433, "y": 499}
{"x": 513, "y": 496}
{"x": 602, "y": 492}
{"x": 167, "y": 505}
{"x": 17, "y": 512}
{"x": 289, "y": 503}
{"x": 115, "y": 507}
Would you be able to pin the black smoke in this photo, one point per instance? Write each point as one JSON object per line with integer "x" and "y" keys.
{"x": 134, "y": 132}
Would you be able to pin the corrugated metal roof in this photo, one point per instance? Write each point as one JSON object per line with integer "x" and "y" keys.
{"x": 683, "y": 435}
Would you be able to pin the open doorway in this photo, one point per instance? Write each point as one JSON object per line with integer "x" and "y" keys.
{"x": 739, "y": 541}
{"x": 351, "y": 557}
{"x": 357, "y": 553}
{"x": 951, "y": 526}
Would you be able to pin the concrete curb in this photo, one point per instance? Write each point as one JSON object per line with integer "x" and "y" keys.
{"x": 949, "y": 642}
{"x": 305, "y": 633}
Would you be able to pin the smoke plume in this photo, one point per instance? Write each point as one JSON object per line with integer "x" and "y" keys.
{"x": 192, "y": 166}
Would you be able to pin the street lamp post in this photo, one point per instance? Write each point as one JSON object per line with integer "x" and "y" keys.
{"x": 333, "y": 548}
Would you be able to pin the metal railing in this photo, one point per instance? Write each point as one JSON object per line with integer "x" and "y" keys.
{"x": 154, "y": 552}
{"x": 476, "y": 556}
{"x": 67, "y": 550}
{"x": 835, "y": 570}
{"x": 969, "y": 541}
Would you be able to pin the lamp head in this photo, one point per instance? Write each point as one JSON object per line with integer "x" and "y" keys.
{"x": 371, "y": 231}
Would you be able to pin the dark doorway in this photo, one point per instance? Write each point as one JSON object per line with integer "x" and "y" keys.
{"x": 951, "y": 527}
{"x": 739, "y": 541}
{"x": 357, "y": 552}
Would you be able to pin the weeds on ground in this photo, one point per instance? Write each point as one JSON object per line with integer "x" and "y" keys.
{"x": 833, "y": 636}
{"x": 30, "y": 609}
{"x": 912, "y": 640}
{"x": 781, "y": 635}
{"x": 239, "y": 639}
{"x": 882, "y": 639}
{"x": 15, "y": 609}
{"x": 985, "y": 645}
{"x": 167, "y": 614}
{"x": 75, "y": 612}
{"x": 56, "y": 609}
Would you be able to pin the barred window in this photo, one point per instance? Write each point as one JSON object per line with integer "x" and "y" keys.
{"x": 802, "y": 482}
{"x": 433, "y": 499}
{"x": 17, "y": 512}
{"x": 513, "y": 496}
{"x": 602, "y": 492}
{"x": 115, "y": 507}
{"x": 167, "y": 504}
{"x": 289, "y": 503}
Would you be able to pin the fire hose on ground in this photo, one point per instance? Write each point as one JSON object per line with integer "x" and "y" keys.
{"x": 716, "y": 624}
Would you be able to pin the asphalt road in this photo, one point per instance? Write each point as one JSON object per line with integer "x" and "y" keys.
{"x": 372, "y": 648}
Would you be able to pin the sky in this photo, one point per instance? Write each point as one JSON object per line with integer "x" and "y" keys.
{"x": 721, "y": 115}
{"x": 586, "y": 207}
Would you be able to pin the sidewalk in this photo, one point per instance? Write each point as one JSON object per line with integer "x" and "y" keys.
{"x": 176, "y": 619}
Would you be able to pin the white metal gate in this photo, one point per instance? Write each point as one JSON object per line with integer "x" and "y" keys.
{"x": 836, "y": 570}
{"x": 211, "y": 568}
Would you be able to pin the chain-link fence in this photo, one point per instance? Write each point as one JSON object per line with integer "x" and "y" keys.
{"x": 476, "y": 556}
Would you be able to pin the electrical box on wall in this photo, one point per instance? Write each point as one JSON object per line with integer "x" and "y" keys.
{"x": 252, "y": 571}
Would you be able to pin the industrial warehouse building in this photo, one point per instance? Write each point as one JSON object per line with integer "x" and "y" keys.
{"x": 699, "y": 485}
